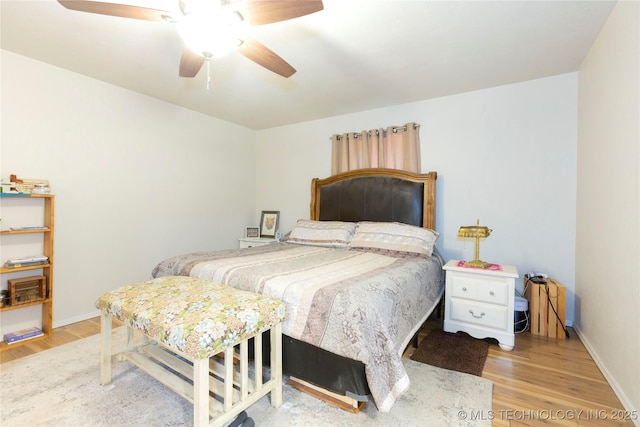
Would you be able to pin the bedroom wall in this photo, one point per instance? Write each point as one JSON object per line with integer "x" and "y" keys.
{"x": 106, "y": 150}
{"x": 505, "y": 155}
{"x": 136, "y": 179}
{"x": 608, "y": 203}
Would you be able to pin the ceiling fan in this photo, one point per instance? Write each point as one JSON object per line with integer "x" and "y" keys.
{"x": 211, "y": 27}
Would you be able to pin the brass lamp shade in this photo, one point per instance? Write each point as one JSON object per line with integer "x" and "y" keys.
{"x": 477, "y": 232}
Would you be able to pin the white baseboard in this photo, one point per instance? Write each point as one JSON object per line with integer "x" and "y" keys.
{"x": 626, "y": 403}
{"x": 65, "y": 322}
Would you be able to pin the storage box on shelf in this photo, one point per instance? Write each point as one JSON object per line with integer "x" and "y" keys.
{"x": 37, "y": 289}
{"x": 27, "y": 290}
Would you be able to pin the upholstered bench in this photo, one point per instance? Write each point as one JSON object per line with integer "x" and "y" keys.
{"x": 185, "y": 323}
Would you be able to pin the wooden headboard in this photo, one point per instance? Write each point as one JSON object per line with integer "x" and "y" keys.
{"x": 384, "y": 195}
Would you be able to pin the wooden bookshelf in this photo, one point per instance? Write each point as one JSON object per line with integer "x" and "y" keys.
{"x": 46, "y": 270}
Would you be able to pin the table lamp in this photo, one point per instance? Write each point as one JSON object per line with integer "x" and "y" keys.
{"x": 475, "y": 231}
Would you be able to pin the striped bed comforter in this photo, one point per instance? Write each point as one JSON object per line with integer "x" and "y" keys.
{"x": 363, "y": 305}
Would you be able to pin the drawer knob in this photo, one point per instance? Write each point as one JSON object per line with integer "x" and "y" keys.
{"x": 491, "y": 293}
{"x": 464, "y": 289}
{"x": 477, "y": 317}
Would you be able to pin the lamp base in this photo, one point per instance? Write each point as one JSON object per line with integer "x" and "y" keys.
{"x": 476, "y": 263}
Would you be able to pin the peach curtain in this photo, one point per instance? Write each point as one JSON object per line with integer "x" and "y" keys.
{"x": 396, "y": 147}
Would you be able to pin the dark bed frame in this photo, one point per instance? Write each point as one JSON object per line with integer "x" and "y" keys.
{"x": 383, "y": 195}
{"x": 387, "y": 195}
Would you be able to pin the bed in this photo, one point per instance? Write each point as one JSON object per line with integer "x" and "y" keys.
{"x": 359, "y": 279}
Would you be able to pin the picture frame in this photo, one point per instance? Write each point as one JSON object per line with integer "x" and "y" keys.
{"x": 252, "y": 231}
{"x": 269, "y": 221}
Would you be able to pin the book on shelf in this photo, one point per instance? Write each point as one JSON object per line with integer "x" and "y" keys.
{"x": 32, "y": 258}
{"x": 21, "y": 335}
{"x": 24, "y": 264}
{"x": 29, "y": 227}
{"x": 27, "y": 261}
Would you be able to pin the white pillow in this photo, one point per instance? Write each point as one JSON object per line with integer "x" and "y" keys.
{"x": 394, "y": 236}
{"x": 334, "y": 234}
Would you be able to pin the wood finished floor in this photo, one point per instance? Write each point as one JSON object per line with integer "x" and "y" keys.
{"x": 542, "y": 382}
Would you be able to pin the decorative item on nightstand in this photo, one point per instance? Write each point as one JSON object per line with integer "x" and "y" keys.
{"x": 477, "y": 232}
{"x": 252, "y": 232}
{"x": 269, "y": 221}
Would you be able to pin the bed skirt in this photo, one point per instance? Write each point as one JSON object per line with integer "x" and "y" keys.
{"x": 322, "y": 368}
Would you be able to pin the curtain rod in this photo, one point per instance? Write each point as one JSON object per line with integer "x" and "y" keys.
{"x": 394, "y": 129}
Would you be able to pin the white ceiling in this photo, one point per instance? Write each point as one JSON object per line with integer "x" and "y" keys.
{"x": 355, "y": 55}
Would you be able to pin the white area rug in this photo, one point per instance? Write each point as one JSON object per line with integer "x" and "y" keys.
{"x": 61, "y": 387}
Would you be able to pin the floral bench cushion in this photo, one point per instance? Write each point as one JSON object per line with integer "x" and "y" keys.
{"x": 195, "y": 316}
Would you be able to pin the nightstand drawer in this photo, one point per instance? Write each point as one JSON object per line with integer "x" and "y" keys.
{"x": 487, "y": 316}
{"x": 483, "y": 289}
{"x": 250, "y": 242}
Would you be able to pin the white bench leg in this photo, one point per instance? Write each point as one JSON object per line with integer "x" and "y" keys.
{"x": 257, "y": 358}
{"x": 244, "y": 370}
{"x": 276, "y": 364}
{"x": 201, "y": 392}
{"x": 228, "y": 378}
{"x": 105, "y": 348}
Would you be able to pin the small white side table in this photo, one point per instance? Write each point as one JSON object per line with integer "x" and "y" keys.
{"x": 480, "y": 302}
{"x": 249, "y": 242}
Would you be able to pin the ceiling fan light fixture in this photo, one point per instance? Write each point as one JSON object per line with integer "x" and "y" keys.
{"x": 212, "y": 35}
{"x": 212, "y": 27}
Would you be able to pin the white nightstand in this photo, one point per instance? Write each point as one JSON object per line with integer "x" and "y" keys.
{"x": 249, "y": 242}
{"x": 480, "y": 302}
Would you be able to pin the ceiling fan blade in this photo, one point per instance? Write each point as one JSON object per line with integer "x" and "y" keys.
{"x": 190, "y": 63}
{"x": 114, "y": 9}
{"x": 259, "y": 12}
{"x": 262, "y": 55}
